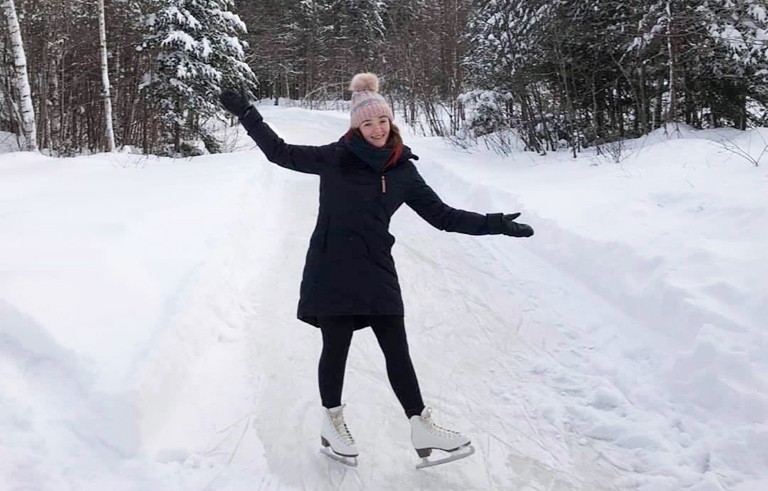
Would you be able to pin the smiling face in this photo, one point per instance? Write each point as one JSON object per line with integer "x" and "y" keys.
{"x": 376, "y": 131}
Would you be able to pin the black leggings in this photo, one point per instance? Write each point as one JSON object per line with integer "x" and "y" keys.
{"x": 390, "y": 332}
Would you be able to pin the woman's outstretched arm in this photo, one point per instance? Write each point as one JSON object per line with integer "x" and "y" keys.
{"x": 302, "y": 158}
{"x": 431, "y": 208}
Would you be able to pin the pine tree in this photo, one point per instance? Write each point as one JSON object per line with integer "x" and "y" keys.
{"x": 738, "y": 28}
{"x": 714, "y": 55}
{"x": 360, "y": 25}
{"x": 598, "y": 70}
{"x": 508, "y": 60}
{"x": 273, "y": 40}
{"x": 199, "y": 52}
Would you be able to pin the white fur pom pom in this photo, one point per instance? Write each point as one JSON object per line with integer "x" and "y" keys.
{"x": 364, "y": 81}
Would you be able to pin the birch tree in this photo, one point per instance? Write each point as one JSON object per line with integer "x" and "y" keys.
{"x": 110, "y": 134}
{"x": 22, "y": 81}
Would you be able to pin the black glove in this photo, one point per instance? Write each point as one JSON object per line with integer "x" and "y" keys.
{"x": 235, "y": 102}
{"x": 510, "y": 227}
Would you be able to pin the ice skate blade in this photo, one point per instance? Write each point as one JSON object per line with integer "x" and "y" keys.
{"x": 348, "y": 461}
{"x": 457, "y": 454}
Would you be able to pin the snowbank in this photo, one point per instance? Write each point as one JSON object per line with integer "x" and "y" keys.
{"x": 148, "y": 338}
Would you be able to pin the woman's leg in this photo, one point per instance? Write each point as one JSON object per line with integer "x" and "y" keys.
{"x": 390, "y": 332}
{"x": 337, "y": 336}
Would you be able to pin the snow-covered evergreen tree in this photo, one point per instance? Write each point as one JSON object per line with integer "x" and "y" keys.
{"x": 359, "y": 25}
{"x": 274, "y": 43}
{"x": 505, "y": 36}
{"x": 608, "y": 68}
{"x": 313, "y": 34}
{"x": 198, "y": 52}
{"x": 741, "y": 26}
{"x": 739, "y": 29}
{"x": 716, "y": 53}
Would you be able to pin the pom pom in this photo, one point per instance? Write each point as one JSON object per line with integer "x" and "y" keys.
{"x": 364, "y": 81}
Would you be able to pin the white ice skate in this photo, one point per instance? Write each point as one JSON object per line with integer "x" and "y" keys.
{"x": 335, "y": 437}
{"x": 427, "y": 436}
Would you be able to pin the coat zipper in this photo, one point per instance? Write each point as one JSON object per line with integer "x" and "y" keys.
{"x": 383, "y": 185}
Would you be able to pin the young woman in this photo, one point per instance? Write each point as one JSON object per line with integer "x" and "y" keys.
{"x": 349, "y": 279}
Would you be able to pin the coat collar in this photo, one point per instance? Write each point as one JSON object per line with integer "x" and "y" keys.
{"x": 376, "y": 158}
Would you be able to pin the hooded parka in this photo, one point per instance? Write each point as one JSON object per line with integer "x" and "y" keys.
{"x": 349, "y": 268}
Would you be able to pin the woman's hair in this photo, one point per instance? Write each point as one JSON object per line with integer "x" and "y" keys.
{"x": 394, "y": 140}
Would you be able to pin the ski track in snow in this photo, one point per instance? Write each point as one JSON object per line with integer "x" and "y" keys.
{"x": 513, "y": 341}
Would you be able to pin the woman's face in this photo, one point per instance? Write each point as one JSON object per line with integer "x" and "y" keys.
{"x": 376, "y": 131}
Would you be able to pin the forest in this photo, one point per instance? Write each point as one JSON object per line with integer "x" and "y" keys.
{"x": 78, "y": 76}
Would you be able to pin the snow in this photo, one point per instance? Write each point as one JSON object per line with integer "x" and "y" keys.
{"x": 235, "y": 46}
{"x": 148, "y": 337}
{"x": 8, "y": 142}
{"x": 182, "y": 39}
{"x": 231, "y": 18}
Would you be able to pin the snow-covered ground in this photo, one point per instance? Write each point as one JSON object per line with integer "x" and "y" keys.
{"x": 8, "y": 142}
{"x": 148, "y": 338}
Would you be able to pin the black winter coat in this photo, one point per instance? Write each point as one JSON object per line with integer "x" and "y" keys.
{"x": 349, "y": 268}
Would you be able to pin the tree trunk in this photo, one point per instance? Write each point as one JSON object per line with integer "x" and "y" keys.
{"x": 672, "y": 115}
{"x": 22, "y": 81}
{"x": 43, "y": 116}
{"x": 643, "y": 104}
{"x": 110, "y": 134}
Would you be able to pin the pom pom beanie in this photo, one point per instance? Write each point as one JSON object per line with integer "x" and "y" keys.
{"x": 367, "y": 103}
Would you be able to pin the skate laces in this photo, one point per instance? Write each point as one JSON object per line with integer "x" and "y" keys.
{"x": 434, "y": 428}
{"x": 341, "y": 426}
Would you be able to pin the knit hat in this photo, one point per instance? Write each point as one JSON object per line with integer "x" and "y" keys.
{"x": 367, "y": 103}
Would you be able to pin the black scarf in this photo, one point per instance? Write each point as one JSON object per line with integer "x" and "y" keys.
{"x": 373, "y": 156}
